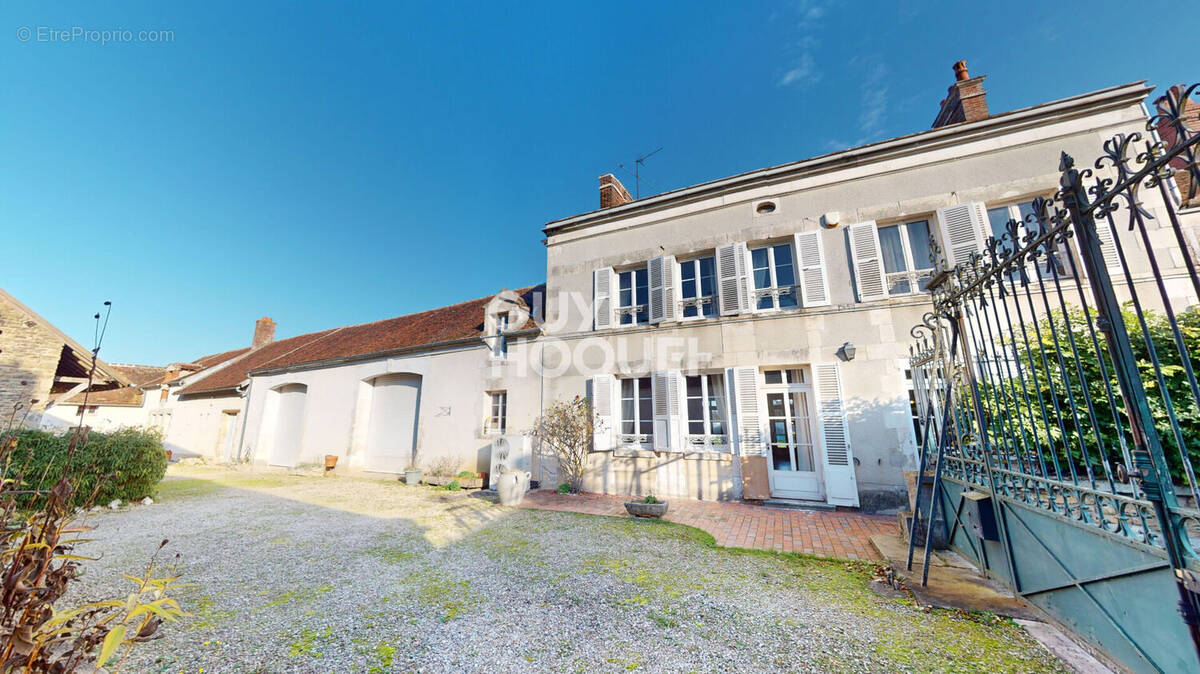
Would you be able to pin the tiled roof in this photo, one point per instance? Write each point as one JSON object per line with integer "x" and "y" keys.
{"x": 126, "y": 395}
{"x": 215, "y": 359}
{"x": 142, "y": 375}
{"x": 457, "y": 321}
{"x": 235, "y": 373}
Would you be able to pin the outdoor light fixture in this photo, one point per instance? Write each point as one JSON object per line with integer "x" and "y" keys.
{"x": 847, "y": 351}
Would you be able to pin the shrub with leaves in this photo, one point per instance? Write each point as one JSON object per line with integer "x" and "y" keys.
{"x": 564, "y": 431}
{"x": 38, "y": 565}
{"x": 1050, "y": 382}
{"x": 127, "y": 464}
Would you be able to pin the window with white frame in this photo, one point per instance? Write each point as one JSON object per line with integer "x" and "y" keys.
{"x": 497, "y": 421}
{"x": 1027, "y": 227}
{"x": 706, "y": 412}
{"x": 774, "y": 277}
{"x": 637, "y": 411}
{"x": 913, "y": 408}
{"x": 697, "y": 285}
{"x": 906, "y": 258}
{"x": 499, "y": 339}
{"x": 91, "y": 409}
{"x": 633, "y": 293}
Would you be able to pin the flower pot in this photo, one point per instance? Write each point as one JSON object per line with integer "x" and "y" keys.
{"x": 412, "y": 476}
{"x": 640, "y": 509}
{"x": 330, "y": 461}
{"x": 168, "y": 455}
{"x": 511, "y": 486}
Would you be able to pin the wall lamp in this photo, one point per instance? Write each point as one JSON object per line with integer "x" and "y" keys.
{"x": 847, "y": 351}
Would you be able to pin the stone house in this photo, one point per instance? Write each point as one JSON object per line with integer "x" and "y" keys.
{"x": 40, "y": 363}
{"x": 426, "y": 388}
{"x": 748, "y": 337}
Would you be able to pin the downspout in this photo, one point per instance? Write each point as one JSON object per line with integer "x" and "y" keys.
{"x": 244, "y": 393}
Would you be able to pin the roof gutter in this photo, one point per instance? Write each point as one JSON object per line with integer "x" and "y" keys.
{"x": 1112, "y": 97}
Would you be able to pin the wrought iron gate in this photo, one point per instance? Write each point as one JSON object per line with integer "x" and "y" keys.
{"x": 1057, "y": 387}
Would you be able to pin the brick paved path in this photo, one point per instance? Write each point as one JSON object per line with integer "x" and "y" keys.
{"x": 742, "y": 525}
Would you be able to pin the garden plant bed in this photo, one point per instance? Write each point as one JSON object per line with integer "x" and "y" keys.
{"x": 464, "y": 482}
{"x": 303, "y": 574}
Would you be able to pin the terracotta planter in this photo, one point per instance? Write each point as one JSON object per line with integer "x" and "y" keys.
{"x": 168, "y": 455}
{"x": 330, "y": 461}
{"x": 651, "y": 510}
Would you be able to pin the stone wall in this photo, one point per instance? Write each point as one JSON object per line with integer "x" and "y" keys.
{"x": 29, "y": 354}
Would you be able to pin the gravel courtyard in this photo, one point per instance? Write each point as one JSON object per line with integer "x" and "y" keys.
{"x": 310, "y": 574}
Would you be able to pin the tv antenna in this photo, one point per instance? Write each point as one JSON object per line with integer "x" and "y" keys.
{"x": 637, "y": 172}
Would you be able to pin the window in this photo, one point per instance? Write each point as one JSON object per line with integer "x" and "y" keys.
{"x": 905, "y": 251}
{"x": 999, "y": 217}
{"x": 793, "y": 376}
{"x": 913, "y": 408}
{"x": 91, "y": 409}
{"x": 637, "y": 411}
{"x": 633, "y": 301}
{"x": 774, "y": 277}
{"x": 497, "y": 420}
{"x": 697, "y": 279}
{"x": 499, "y": 340}
{"x": 706, "y": 411}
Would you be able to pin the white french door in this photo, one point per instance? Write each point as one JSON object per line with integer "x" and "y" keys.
{"x": 793, "y": 458}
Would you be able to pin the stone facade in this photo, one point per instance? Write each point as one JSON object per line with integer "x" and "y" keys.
{"x": 29, "y": 353}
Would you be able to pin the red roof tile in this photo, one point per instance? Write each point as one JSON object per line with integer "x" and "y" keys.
{"x": 457, "y": 321}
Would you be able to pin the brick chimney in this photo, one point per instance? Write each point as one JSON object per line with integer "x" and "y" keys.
{"x": 966, "y": 101}
{"x": 264, "y": 332}
{"x": 1174, "y": 111}
{"x": 612, "y": 192}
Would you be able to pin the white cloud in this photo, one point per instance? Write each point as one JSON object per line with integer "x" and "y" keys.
{"x": 802, "y": 67}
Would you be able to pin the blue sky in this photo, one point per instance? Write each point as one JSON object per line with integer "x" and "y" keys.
{"x": 329, "y": 163}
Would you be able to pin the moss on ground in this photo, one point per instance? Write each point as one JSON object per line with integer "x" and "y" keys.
{"x": 446, "y": 595}
{"x": 302, "y": 594}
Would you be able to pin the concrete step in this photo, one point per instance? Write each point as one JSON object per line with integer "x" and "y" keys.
{"x": 798, "y": 504}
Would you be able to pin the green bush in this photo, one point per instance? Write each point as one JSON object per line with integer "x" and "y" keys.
{"x": 453, "y": 485}
{"x": 127, "y": 464}
{"x": 467, "y": 475}
{"x": 564, "y": 488}
{"x": 1059, "y": 434}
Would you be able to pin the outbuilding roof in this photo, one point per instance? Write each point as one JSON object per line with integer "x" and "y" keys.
{"x": 456, "y": 322}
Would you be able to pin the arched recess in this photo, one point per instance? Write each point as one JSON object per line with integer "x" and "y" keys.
{"x": 290, "y": 402}
{"x": 392, "y": 426}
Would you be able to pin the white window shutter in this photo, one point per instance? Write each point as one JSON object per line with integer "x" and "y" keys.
{"x": 661, "y": 273}
{"x": 964, "y": 230}
{"x": 866, "y": 257}
{"x": 601, "y": 390}
{"x": 603, "y": 288}
{"x": 748, "y": 429}
{"x": 671, "y": 290}
{"x": 1108, "y": 248}
{"x": 841, "y": 485}
{"x": 664, "y": 393}
{"x": 810, "y": 269}
{"x": 732, "y": 278}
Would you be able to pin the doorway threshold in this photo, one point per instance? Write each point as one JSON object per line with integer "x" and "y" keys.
{"x": 798, "y": 504}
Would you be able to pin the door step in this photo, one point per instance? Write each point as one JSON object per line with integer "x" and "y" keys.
{"x": 798, "y": 504}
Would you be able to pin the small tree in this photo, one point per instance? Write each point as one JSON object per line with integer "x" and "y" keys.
{"x": 564, "y": 430}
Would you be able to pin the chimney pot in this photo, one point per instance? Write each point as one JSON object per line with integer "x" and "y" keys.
{"x": 264, "y": 332}
{"x": 965, "y": 101}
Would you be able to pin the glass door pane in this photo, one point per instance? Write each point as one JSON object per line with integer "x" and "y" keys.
{"x": 803, "y": 430}
{"x": 777, "y": 422}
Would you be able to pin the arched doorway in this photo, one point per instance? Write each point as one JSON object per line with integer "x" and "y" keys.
{"x": 290, "y": 401}
{"x": 392, "y": 428}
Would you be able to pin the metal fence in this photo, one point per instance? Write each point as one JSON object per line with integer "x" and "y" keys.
{"x": 1056, "y": 379}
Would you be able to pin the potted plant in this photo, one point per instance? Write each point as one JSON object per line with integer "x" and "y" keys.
{"x": 330, "y": 462}
{"x": 646, "y": 507}
{"x": 412, "y": 475}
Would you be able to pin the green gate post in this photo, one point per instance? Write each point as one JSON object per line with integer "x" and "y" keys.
{"x": 1149, "y": 459}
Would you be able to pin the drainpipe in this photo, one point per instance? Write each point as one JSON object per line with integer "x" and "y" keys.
{"x": 244, "y": 393}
